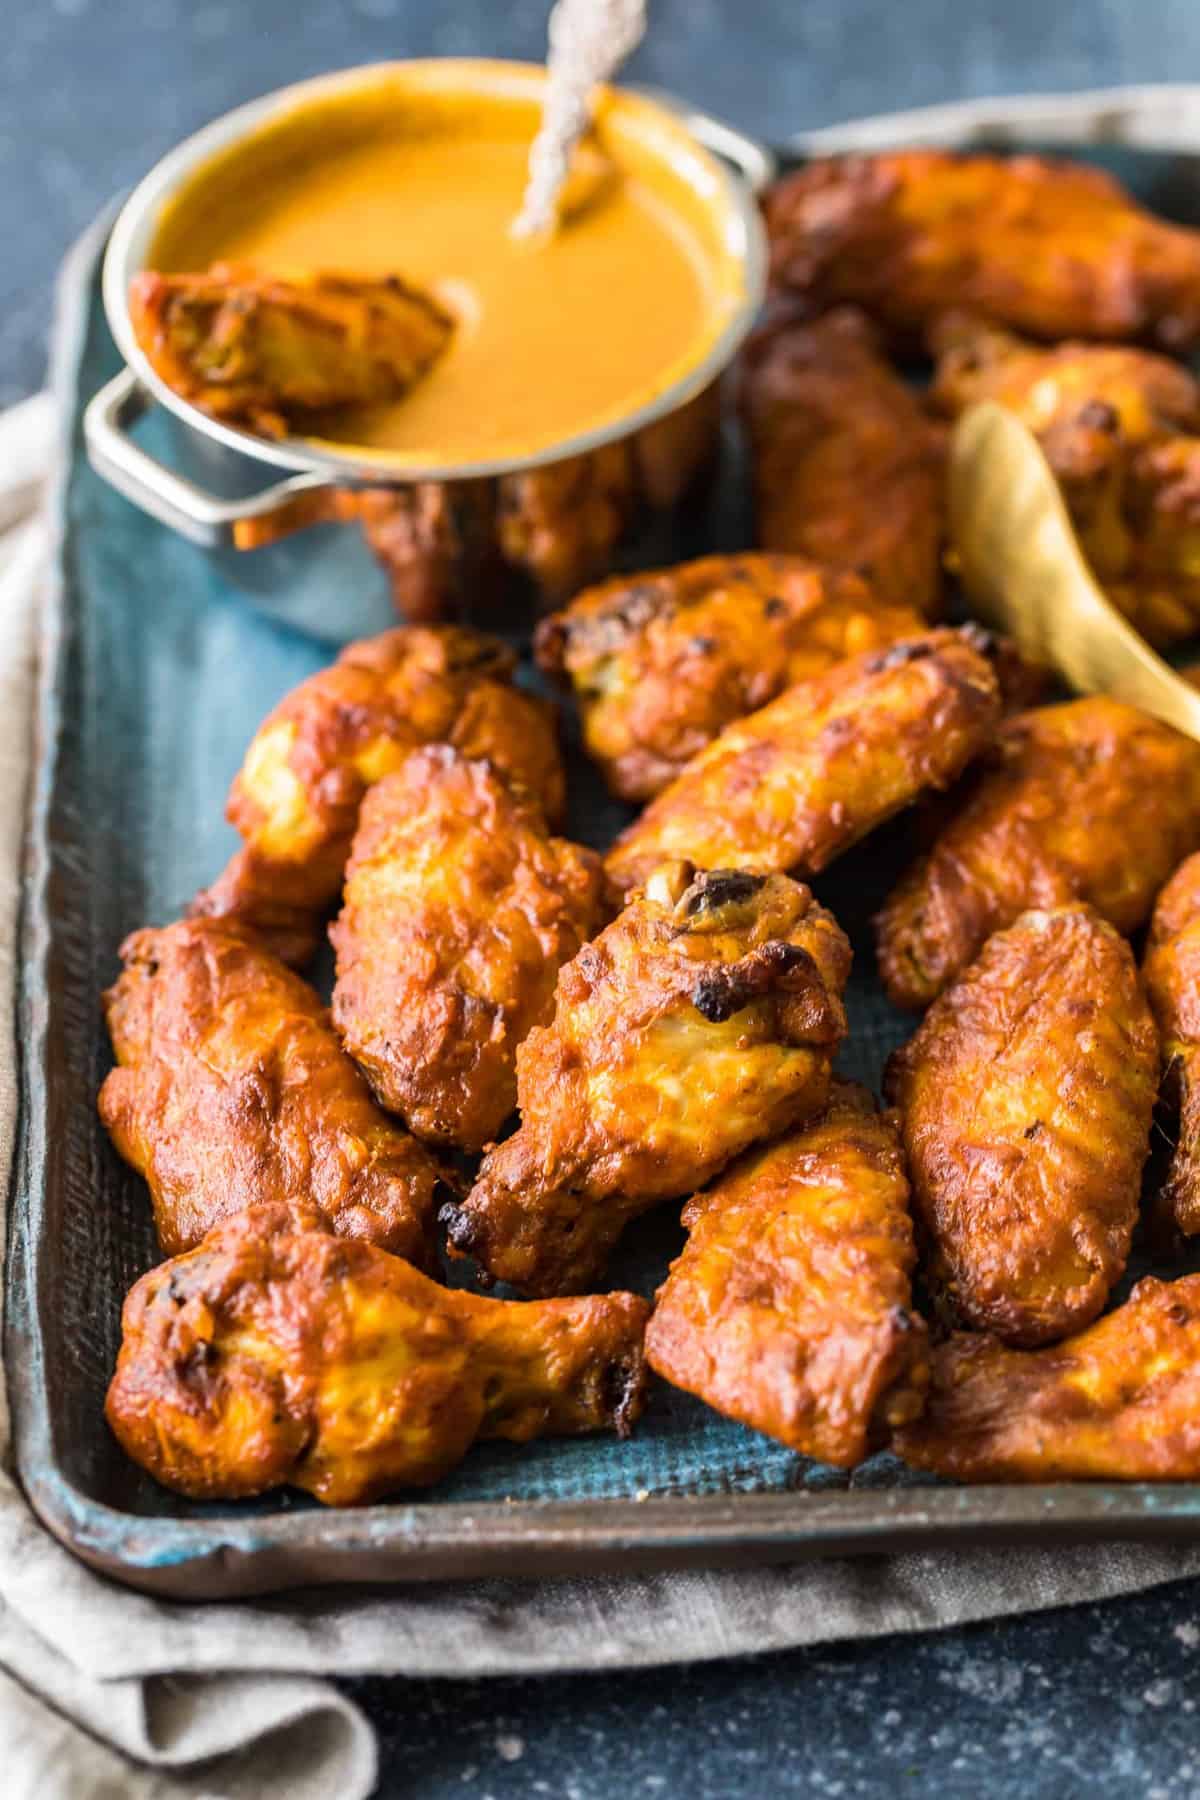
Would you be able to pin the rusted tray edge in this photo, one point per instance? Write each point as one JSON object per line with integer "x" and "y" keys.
{"x": 217, "y": 1559}
{"x": 230, "y": 1557}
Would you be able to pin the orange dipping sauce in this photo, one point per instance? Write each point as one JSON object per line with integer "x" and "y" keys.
{"x": 419, "y": 171}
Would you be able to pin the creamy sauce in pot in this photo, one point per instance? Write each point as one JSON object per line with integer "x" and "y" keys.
{"x": 553, "y": 338}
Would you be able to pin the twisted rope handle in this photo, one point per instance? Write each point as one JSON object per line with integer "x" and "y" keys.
{"x": 589, "y": 40}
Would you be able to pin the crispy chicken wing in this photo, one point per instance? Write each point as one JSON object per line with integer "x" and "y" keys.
{"x": 231, "y": 1088}
{"x": 276, "y": 1353}
{"x": 1090, "y": 801}
{"x": 263, "y": 353}
{"x": 459, "y": 910}
{"x": 1052, "y": 247}
{"x": 449, "y": 547}
{"x": 702, "y": 1020}
{"x": 791, "y": 1307}
{"x": 1026, "y": 1097}
{"x": 798, "y": 782}
{"x": 1172, "y": 975}
{"x": 1065, "y": 392}
{"x": 663, "y": 661}
{"x": 673, "y": 454}
{"x": 437, "y": 542}
{"x": 296, "y": 799}
{"x": 561, "y": 523}
{"x": 1113, "y": 423}
{"x": 847, "y": 467}
{"x": 1120, "y": 1402}
{"x": 1158, "y": 584}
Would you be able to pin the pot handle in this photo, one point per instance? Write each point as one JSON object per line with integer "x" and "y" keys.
{"x": 754, "y": 161}
{"x": 207, "y": 519}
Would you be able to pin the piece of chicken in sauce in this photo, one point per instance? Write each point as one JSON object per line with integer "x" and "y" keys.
{"x": 459, "y": 910}
{"x": 704, "y": 1019}
{"x": 1172, "y": 975}
{"x": 1118, "y": 1402}
{"x": 1093, "y": 800}
{"x": 276, "y": 1353}
{"x": 269, "y": 354}
{"x": 295, "y": 800}
{"x": 801, "y": 780}
{"x": 847, "y": 466}
{"x": 232, "y": 1088}
{"x": 1052, "y": 247}
{"x": 790, "y": 1307}
{"x": 662, "y": 661}
{"x": 1117, "y": 425}
{"x": 1026, "y": 1097}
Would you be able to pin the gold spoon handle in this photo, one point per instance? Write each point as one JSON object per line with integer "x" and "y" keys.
{"x": 1021, "y": 564}
{"x": 589, "y": 40}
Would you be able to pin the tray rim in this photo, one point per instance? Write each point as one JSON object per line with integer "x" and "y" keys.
{"x": 222, "y": 1558}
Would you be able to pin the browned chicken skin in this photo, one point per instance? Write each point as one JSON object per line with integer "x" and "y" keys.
{"x": 1172, "y": 976}
{"x": 704, "y": 1019}
{"x": 663, "y": 661}
{"x": 459, "y": 909}
{"x": 796, "y": 783}
{"x": 1026, "y": 1098}
{"x": 791, "y": 1306}
{"x": 1120, "y": 1402}
{"x": 232, "y": 1089}
{"x": 1114, "y": 423}
{"x": 847, "y": 467}
{"x": 561, "y": 524}
{"x": 437, "y": 542}
{"x": 276, "y": 1353}
{"x": 264, "y": 353}
{"x": 296, "y": 799}
{"x": 1051, "y": 247}
{"x": 449, "y": 548}
{"x": 1089, "y": 801}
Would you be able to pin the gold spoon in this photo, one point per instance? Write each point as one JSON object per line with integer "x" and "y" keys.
{"x": 1022, "y": 568}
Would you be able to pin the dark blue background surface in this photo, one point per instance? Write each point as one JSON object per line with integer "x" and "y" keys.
{"x": 1102, "y": 1698}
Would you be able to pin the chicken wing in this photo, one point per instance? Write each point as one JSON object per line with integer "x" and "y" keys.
{"x": 561, "y": 523}
{"x": 296, "y": 800}
{"x": 276, "y": 1353}
{"x": 1120, "y": 1402}
{"x": 231, "y": 1088}
{"x": 791, "y": 1307}
{"x": 1158, "y": 585}
{"x": 702, "y": 1020}
{"x": 1089, "y": 801}
{"x": 459, "y": 910}
{"x": 847, "y": 467}
{"x": 264, "y": 353}
{"x": 1114, "y": 424}
{"x": 796, "y": 783}
{"x": 1172, "y": 976}
{"x": 1052, "y": 247}
{"x": 1026, "y": 1097}
{"x": 436, "y": 541}
{"x": 661, "y": 662}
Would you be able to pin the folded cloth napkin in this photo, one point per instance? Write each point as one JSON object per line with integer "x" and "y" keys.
{"x": 108, "y": 1691}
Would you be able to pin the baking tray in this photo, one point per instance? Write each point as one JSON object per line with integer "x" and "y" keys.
{"x": 155, "y": 673}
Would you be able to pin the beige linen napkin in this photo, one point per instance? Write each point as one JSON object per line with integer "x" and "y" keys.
{"x": 108, "y": 1691}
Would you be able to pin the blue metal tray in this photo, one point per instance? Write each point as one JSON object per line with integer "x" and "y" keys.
{"x": 156, "y": 672}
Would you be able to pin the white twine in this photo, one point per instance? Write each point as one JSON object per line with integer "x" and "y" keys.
{"x": 589, "y": 40}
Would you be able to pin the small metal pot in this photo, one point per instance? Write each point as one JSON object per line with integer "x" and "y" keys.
{"x": 210, "y": 481}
